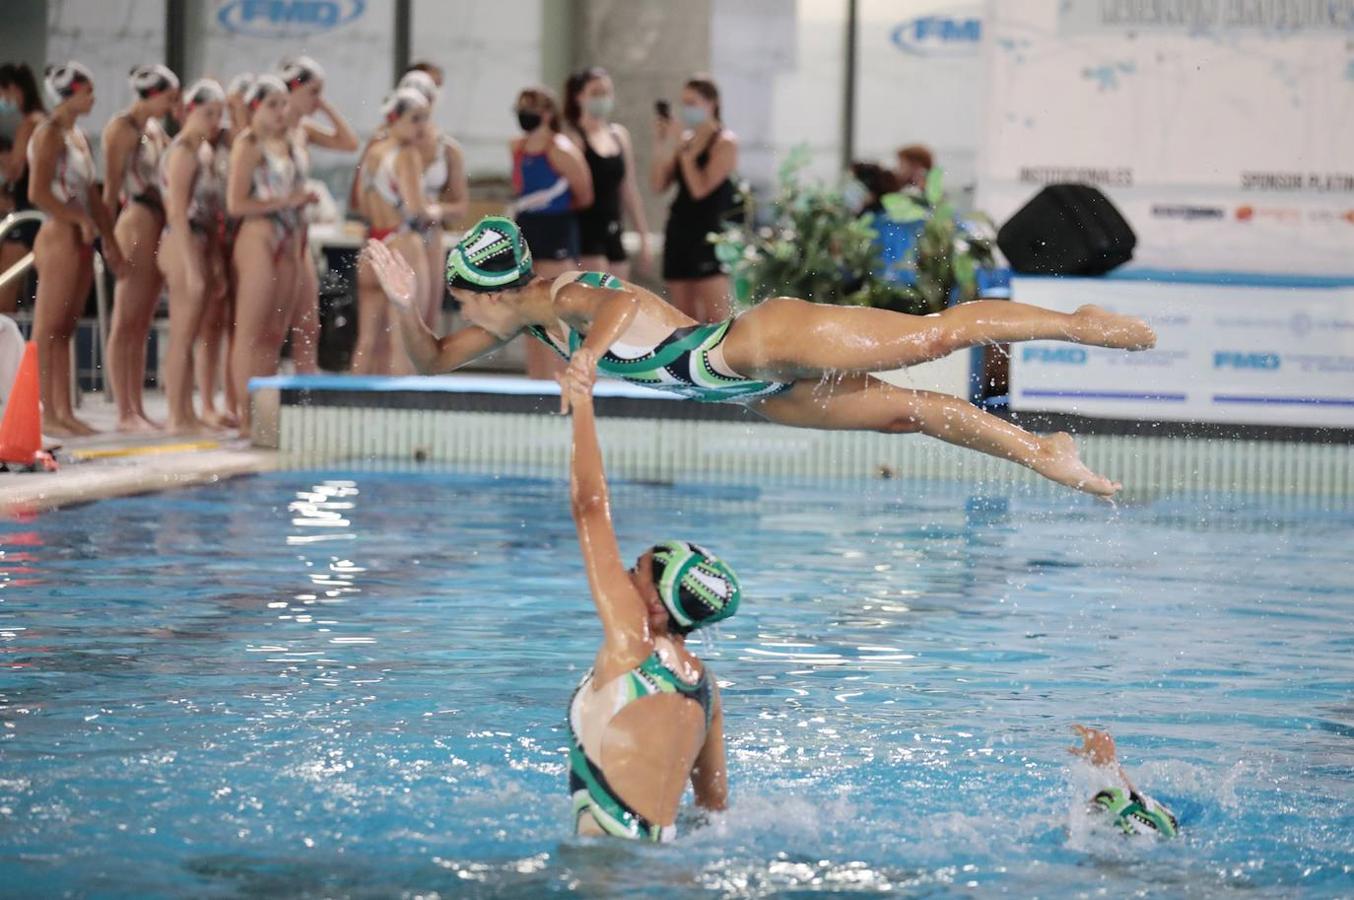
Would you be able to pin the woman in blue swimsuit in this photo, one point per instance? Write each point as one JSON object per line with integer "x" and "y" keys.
{"x": 646, "y": 718}
{"x": 776, "y": 358}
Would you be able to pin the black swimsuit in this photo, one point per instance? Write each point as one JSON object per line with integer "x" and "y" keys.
{"x": 686, "y": 252}
{"x": 600, "y": 224}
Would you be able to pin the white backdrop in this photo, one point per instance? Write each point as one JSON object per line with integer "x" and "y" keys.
{"x": 1226, "y": 353}
{"x": 1223, "y": 135}
{"x": 919, "y": 80}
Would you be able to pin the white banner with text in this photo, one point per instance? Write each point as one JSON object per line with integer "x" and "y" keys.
{"x": 1220, "y": 129}
{"x": 1225, "y": 353}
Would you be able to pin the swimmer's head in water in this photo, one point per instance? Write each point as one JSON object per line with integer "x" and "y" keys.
{"x": 493, "y": 256}
{"x": 1136, "y": 814}
{"x": 696, "y": 587}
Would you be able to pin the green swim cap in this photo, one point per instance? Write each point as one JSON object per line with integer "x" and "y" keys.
{"x": 696, "y": 586}
{"x": 1135, "y": 813}
{"x": 493, "y": 256}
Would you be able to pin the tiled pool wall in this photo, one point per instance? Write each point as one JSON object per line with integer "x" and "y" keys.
{"x": 645, "y": 439}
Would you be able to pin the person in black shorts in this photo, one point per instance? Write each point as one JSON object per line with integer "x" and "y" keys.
{"x": 551, "y": 183}
{"x": 588, "y": 101}
{"x": 698, "y": 154}
{"x": 20, "y": 96}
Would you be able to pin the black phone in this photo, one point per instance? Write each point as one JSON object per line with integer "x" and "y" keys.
{"x": 663, "y": 108}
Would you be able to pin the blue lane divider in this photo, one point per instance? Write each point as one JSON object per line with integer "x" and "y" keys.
{"x": 1215, "y": 277}
{"x": 1107, "y": 395}
{"x": 1298, "y": 401}
{"x": 455, "y": 384}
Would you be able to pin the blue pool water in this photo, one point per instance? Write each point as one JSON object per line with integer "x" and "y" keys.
{"x": 353, "y": 684}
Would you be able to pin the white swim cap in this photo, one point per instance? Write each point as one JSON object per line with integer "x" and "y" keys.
{"x": 400, "y": 102}
{"x": 263, "y": 87}
{"x": 151, "y": 79}
{"x": 239, "y": 85}
{"x": 422, "y": 82}
{"x": 300, "y": 70}
{"x": 61, "y": 81}
{"x": 203, "y": 91}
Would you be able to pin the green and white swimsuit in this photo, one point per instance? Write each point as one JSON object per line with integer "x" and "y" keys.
{"x": 1136, "y": 813}
{"x": 590, "y": 711}
{"x": 686, "y": 361}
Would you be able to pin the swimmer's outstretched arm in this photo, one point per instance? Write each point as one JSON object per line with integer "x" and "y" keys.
{"x": 624, "y": 615}
{"x": 430, "y": 354}
{"x": 710, "y": 774}
{"x": 611, "y": 312}
{"x": 1097, "y": 748}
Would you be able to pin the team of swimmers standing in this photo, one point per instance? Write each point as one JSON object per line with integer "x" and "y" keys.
{"x": 215, "y": 216}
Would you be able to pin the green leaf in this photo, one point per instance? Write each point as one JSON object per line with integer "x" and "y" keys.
{"x": 902, "y": 208}
{"x": 935, "y": 186}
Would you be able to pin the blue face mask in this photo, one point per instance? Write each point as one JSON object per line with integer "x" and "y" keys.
{"x": 8, "y": 107}
{"x": 693, "y": 115}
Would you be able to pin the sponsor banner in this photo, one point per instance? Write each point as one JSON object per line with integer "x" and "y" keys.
{"x": 1220, "y": 129}
{"x": 1232, "y": 354}
{"x": 353, "y": 39}
{"x": 1192, "y": 16}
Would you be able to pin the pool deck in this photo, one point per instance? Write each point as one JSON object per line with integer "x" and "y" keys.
{"x": 116, "y": 465}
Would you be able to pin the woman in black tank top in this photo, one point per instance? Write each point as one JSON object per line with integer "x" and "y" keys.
{"x": 588, "y": 101}
{"x": 701, "y": 161}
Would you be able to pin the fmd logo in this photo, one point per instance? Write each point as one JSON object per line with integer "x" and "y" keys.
{"x": 1227, "y": 359}
{"x": 1065, "y": 356}
{"x": 287, "y": 18}
{"x": 939, "y": 36}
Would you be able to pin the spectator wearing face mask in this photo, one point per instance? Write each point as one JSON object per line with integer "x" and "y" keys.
{"x": 699, "y": 155}
{"x": 589, "y": 97}
{"x": 551, "y": 182}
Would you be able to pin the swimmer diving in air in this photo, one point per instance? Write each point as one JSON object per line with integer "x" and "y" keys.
{"x": 646, "y": 718}
{"x": 793, "y": 362}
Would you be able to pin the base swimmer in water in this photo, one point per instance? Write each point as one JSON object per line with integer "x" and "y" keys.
{"x": 791, "y": 361}
{"x": 646, "y": 718}
{"x": 1133, "y": 811}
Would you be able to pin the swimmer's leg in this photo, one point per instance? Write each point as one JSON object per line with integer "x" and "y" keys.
{"x": 785, "y": 336}
{"x": 861, "y": 403}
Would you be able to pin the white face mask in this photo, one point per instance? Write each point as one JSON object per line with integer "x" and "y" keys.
{"x": 693, "y": 115}
{"x": 600, "y": 106}
{"x": 855, "y": 195}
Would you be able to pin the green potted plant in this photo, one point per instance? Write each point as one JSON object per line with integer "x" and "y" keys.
{"x": 811, "y": 244}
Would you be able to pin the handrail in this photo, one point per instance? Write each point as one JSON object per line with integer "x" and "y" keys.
{"x": 7, "y": 224}
{"x": 20, "y": 268}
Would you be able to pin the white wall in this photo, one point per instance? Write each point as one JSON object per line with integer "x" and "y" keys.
{"x": 780, "y": 68}
{"x": 108, "y": 36}
{"x": 490, "y": 51}
{"x": 920, "y": 81}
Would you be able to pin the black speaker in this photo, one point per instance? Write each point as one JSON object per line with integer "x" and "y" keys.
{"x": 1067, "y": 229}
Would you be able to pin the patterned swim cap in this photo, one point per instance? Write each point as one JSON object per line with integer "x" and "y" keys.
{"x": 493, "y": 256}
{"x": 697, "y": 587}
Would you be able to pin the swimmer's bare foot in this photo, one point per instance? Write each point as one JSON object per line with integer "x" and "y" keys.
{"x": 1058, "y": 461}
{"x": 193, "y": 427}
{"x": 1102, "y": 328}
{"x": 219, "y": 420}
{"x": 66, "y": 427}
{"x": 136, "y": 424}
{"x": 58, "y": 428}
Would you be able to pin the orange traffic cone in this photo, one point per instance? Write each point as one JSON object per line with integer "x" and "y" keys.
{"x": 21, "y": 428}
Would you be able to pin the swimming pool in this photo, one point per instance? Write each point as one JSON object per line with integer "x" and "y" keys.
{"x": 354, "y": 683}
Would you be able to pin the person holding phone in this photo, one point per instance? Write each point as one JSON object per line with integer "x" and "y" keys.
{"x": 699, "y": 155}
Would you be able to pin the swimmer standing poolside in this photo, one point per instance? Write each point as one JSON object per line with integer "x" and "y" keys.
{"x": 793, "y": 362}
{"x": 646, "y": 718}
